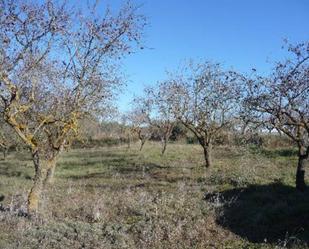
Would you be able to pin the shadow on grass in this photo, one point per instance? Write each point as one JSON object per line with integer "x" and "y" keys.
{"x": 119, "y": 166}
{"x": 265, "y": 213}
{"x": 9, "y": 170}
{"x": 98, "y": 154}
{"x": 97, "y": 160}
{"x": 274, "y": 153}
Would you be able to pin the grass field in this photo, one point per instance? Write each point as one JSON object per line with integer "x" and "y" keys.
{"x": 122, "y": 198}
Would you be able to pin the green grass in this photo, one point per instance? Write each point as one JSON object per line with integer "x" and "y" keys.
{"x": 114, "y": 197}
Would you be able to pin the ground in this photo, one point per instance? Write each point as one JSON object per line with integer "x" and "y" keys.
{"x": 115, "y": 197}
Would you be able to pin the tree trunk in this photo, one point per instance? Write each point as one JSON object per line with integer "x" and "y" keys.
{"x": 36, "y": 190}
{"x": 164, "y": 143}
{"x": 51, "y": 166}
{"x": 129, "y": 141}
{"x": 244, "y": 129}
{"x": 207, "y": 155}
{"x": 142, "y": 144}
{"x": 300, "y": 173}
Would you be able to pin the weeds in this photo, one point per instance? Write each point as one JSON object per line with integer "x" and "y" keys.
{"x": 119, "y": 198}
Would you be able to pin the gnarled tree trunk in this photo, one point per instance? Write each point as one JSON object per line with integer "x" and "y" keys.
{"x": 207, "y": 148}
{"x": 207, "y": 155}
{"x": 303, "y": 161}
{"x": 143, "y": 141}
{"x": 50, "y": 170}
{"x": 166, "y": 137}
{"x": 36, "y": 190}
{"x": 164, "y": 144}
{"x": 51, "y": 163}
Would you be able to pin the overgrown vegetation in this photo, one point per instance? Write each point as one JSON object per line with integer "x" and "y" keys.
{"x": 115, "y": 197}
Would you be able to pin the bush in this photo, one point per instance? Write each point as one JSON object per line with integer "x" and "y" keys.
{"x": 248, "y": 139}
{"x": 179, "y": 132}
{"x": 191, "y": 140}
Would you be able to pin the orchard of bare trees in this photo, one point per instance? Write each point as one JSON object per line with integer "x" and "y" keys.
{"x": 60, "y": 75}
{"x": 209, "y": 100}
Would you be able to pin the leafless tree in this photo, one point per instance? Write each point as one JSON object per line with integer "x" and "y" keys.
{"x": 139, "y": 125}
{"x": 206, "y": 100}
{"x": 157, "y": 107}
{"x": 57, "y": 65}
{"x": 282, "y": 102}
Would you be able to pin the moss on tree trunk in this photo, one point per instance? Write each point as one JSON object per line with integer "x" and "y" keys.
{"x": 36, "y": 190}
{"x": 50, "y": 171}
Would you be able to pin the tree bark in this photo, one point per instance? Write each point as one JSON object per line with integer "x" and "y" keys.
{"x": 51, "y": 166}
{"x": 300, "y": 173}
{"x": 207, "y": 155}
{"x": 142, "y": 144}
{"x": 36, "y": 190}
{"x": 129, "y": 141}
{"x": 166, "y": 138}
{"x": 164, "y": 143}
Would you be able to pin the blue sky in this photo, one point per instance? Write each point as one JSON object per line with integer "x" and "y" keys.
{"x": 241, "y": 34}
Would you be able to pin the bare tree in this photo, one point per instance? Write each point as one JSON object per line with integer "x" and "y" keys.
{"x": 140, "y": 125}
{"x": 157, "y": 107}
{"x": 57, "y": 66}
{"x": 206, "y": 101}
{"x": 282, "y": 102}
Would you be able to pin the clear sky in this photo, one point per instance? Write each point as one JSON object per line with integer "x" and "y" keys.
{"x": 238, "y": 33}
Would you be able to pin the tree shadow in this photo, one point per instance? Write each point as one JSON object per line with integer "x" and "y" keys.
{"x": 123, "y": 167}
{"x": 9, "y": 170}
{"x": 265, "y": 213}
{"x": 120, "y": 166}
{"x": 99, "y": 154}
{"x": 279, "y": 152}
